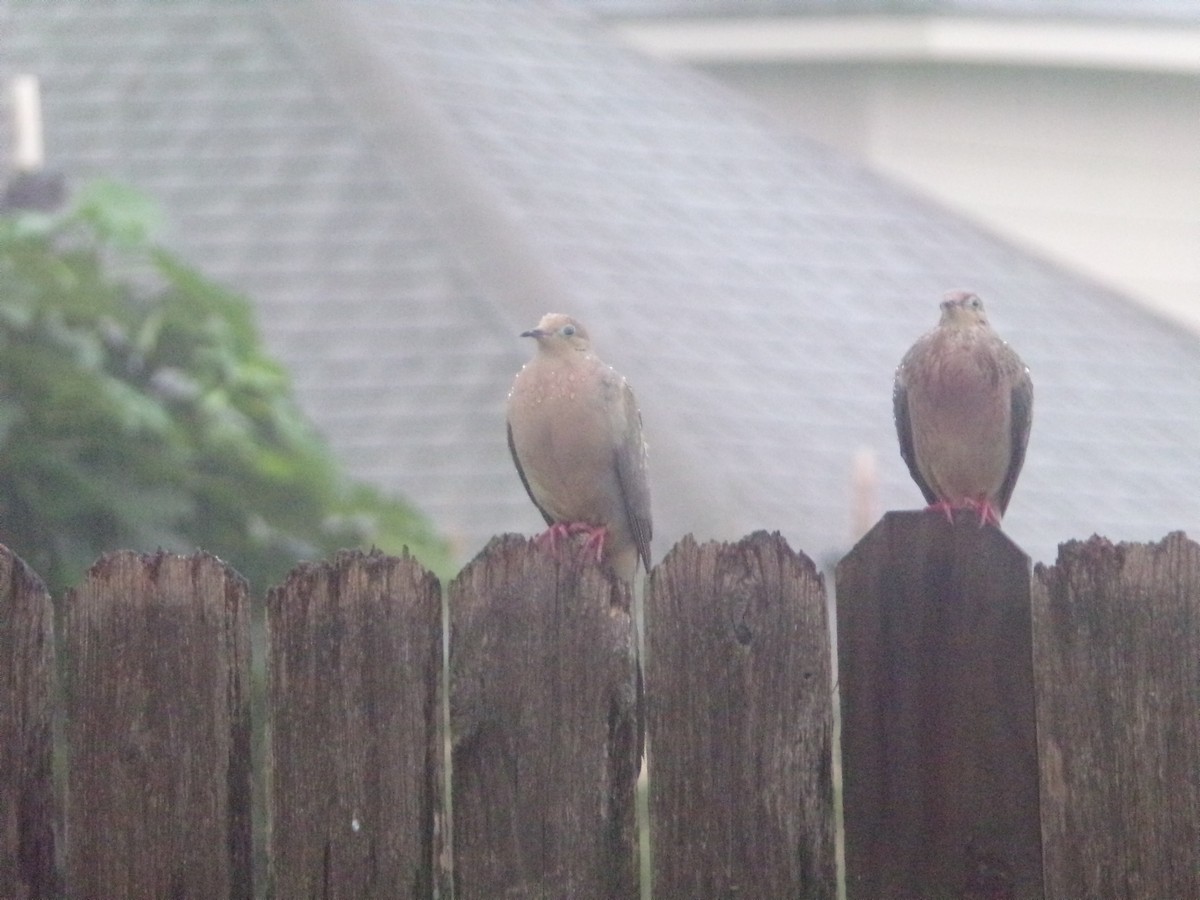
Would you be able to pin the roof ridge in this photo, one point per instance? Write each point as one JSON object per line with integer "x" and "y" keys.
{"x": 410, "y": 134}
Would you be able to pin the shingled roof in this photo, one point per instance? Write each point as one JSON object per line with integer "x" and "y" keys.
{"x": 402, "y": 187}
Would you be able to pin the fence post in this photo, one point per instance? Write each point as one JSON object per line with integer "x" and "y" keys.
{"x": 544, "y": 719}
{"x": 353, "y": 762}
{"x": 740, "y": 723}
{"x": 1118, "y": 665}
{"x": 939, "y": 745}
{"x": 28, "y": 806}
{"x": 158, "y": 729}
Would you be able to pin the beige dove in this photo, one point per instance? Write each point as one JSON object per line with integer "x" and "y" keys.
{"x": 576, "y": 437}
{"x": 963, "y": 402}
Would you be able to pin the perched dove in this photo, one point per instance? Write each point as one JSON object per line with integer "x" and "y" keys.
{"x": 576, "y": 437}
{"x": 963, "y": 402}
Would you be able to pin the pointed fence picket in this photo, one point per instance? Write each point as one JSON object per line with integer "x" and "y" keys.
{"x": 740, "y": 723}
{"x": 353, "y": 760}
{"x": 156, "y": 657}
{"x": 1005, "y": 732}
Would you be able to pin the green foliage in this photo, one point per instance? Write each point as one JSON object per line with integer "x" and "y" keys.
{"x": 139, "y": 410}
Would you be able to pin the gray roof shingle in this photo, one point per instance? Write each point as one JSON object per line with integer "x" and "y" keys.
{"x": 403, "y": 186}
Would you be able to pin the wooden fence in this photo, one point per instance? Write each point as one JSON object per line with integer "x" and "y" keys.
{"x": 1006, "y": 732}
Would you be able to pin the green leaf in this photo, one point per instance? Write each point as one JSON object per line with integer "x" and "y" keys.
{"x": 119, "y": 213}
{"x": 145, "y": 412}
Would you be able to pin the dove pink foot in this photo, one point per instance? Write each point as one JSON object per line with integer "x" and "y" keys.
{"x": 988, "y": 514}
{"x": 561, "y": 531}
{"x": 596, "y": 536}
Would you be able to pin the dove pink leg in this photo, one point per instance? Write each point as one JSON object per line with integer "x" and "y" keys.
{"x": 560, "y": 531}
{"x": 988, "y": 514}
{"x": 596, "y": 536}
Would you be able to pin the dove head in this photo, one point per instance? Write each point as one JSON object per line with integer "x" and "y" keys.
{"x": 558, "y": 334}
{"x": 963, "y": 308}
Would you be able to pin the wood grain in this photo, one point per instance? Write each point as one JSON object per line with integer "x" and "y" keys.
{"x": 28, "y": 804}
{"x": 740, "y": 722}
{"x": 939, "y": 747}
{"x": 158, "y": 729}
{"x": 354, "y": 753}
{"x": 544, "y": 711}
{"x": 1118, "y": 659}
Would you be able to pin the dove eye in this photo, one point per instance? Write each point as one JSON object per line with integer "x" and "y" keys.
{"x": 567, "y": 330}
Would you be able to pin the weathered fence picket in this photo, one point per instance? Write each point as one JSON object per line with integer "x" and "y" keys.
{"x": 157, "y": 655}
{"x": 354, "y": 651}
{"x": 740, "y": 723}
{"x": 1118, "y": 657}
{"x": 544, "y": 719}
{"x": 29, "y": 811}
{"x": 939, "y": 743}
{"x": 951, "y": 651}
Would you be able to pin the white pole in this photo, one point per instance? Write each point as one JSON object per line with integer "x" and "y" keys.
{"x": 28, "y": 152}
{"x": 864, "y": 492}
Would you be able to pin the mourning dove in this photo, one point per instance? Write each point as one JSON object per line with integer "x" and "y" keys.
{"x": 963, "y": 402}
{"x": 576, "y": 437}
